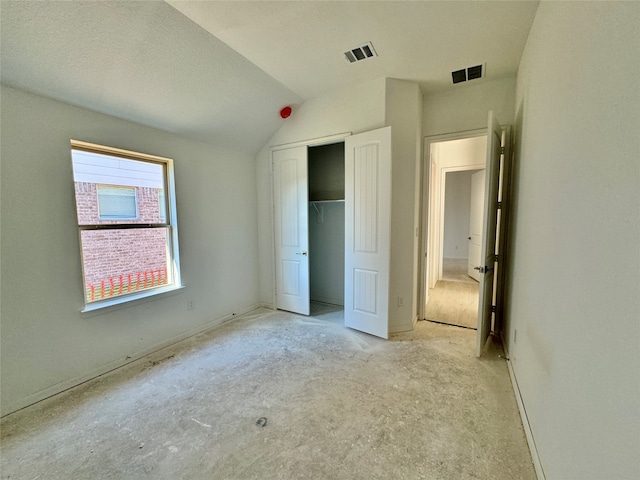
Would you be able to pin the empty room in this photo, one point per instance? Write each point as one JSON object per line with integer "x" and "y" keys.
{"x": 227, "y": 226}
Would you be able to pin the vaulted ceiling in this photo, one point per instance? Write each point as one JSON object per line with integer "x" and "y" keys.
{"x": 219, "y": 71}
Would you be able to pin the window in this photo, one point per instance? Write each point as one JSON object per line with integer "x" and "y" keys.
{"x": 117, "y": 203}
{"x": 127, "y": 224}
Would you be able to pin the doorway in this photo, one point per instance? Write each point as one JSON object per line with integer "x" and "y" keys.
{"x": 453, "y": 299}
{"x": 450, "y": 161}
{"x": 463, "y": 151}
{"x": 326, "y": 223}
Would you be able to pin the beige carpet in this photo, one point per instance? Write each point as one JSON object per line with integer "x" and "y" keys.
{"x": 453, "y": 303}
{"x": 455, "y": 270}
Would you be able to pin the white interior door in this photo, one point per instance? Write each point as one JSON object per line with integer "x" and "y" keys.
{"x": 488, "y": 248}
{"x": 290, "y": 194}
{"x": 476, "y": 210}
{"x": 367, "y": 231}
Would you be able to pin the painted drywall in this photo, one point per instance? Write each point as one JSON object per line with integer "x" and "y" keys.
{"x": 465, "y": 106}
{"x": 457, "y": 201}
{"x": 573, "y": 307}
{"x": 355, "y": 110}
{"x": 47, "y": 345}
{"x": 326, "y": 252}
{"x": 463, "y": 152}
{"x": 403, "y": 113}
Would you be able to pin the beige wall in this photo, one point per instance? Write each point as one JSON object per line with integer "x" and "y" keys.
{"x": 403, "y": 113}
{"x": 573, "y": 310}
{"x": 47, "y": 345}
{"x": 465, "y": 107}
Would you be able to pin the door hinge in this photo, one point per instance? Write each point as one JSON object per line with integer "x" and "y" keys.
{"x": 502, "y": 150}
{"x": 496, "y": 258}
{"x": 499, "y": 205}
{"x": 493, "y": 308}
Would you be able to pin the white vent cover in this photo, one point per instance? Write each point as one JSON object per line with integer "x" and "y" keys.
{"x": 360, "y": 53}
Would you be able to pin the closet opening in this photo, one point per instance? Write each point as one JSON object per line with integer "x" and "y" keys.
{"x": 326, "y": 183}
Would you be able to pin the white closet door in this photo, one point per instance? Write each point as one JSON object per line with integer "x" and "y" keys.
{"x": 291, "y": 229}
{"x": 367, "y": 231}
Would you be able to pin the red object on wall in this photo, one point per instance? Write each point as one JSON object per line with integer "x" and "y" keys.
{"x": 285, "y": 112}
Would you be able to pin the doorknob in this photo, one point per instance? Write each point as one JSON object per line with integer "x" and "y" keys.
{"x": 304, "y": 254}
{"x": 484, "y": 269}
{"x": 468, "y": 238}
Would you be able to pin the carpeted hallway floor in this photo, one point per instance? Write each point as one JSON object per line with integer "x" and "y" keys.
{"x": 277, "y": 395}
{"x": 454, "y": 299}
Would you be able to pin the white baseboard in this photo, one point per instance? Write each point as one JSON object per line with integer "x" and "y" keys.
{"x": 121, "y": 362}
{"x": 330, "y": 301}
{"x": 537, "y": 464}
{"x": 405, "y": 327}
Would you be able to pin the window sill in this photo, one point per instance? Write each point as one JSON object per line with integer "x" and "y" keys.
{"x": 106, "y": 306}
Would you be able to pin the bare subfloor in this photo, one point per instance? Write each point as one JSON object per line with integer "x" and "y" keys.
{"x": 277, "y": 395}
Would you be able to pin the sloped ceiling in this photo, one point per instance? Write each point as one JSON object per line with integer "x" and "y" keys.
{"x": 301, "y": 43}
{"x": 219, "y": 71}
{"x": 144, "y": 62}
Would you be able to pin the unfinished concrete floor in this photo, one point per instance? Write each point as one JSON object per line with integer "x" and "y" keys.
{"x": 277, "y": 395}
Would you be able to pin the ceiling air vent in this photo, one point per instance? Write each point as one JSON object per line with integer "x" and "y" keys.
{"x": 470, "y": 73}
{"x": 360, "y": 53}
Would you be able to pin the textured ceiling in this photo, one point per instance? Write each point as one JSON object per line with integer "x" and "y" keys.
{"x": 219, "y": 71}
{"x": 301, "y": 43}
{"x": 144, "y": 62}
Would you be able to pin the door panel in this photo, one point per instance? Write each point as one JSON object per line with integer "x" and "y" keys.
{"x": 367, "y": 231}
{"x": 476, "y": 210}
{"x": 488, "y": 248}
{"x": 291, "y": 229}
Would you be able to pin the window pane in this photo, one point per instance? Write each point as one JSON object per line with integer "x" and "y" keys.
{"x": 121, "y": 261}
{"x": 116, "y": 190}
{"x": 162, "y": 206}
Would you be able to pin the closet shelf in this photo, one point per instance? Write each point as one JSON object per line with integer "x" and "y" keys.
{"x": 327, "y": 201}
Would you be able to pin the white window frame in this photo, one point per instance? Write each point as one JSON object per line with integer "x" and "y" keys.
{"x": 171, "y": 223}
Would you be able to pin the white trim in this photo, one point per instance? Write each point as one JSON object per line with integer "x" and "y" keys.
{"x": 171, "y": 222}
{"x": 118, "y": 152}
{"x": 401, "y": 328}
{"x": 330, "y": 301}
{"x": 121, "y": 362}
{"x": 313, "y": 142}
{"x": 535, "y": 457}
{"x": 116, "y": 303}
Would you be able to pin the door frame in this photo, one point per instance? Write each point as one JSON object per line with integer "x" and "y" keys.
{"x": 436, "y": 272}
{"x": 313, "y": 142}
{"x": 432, "y": 201}
{"x": 428, "y": 199}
